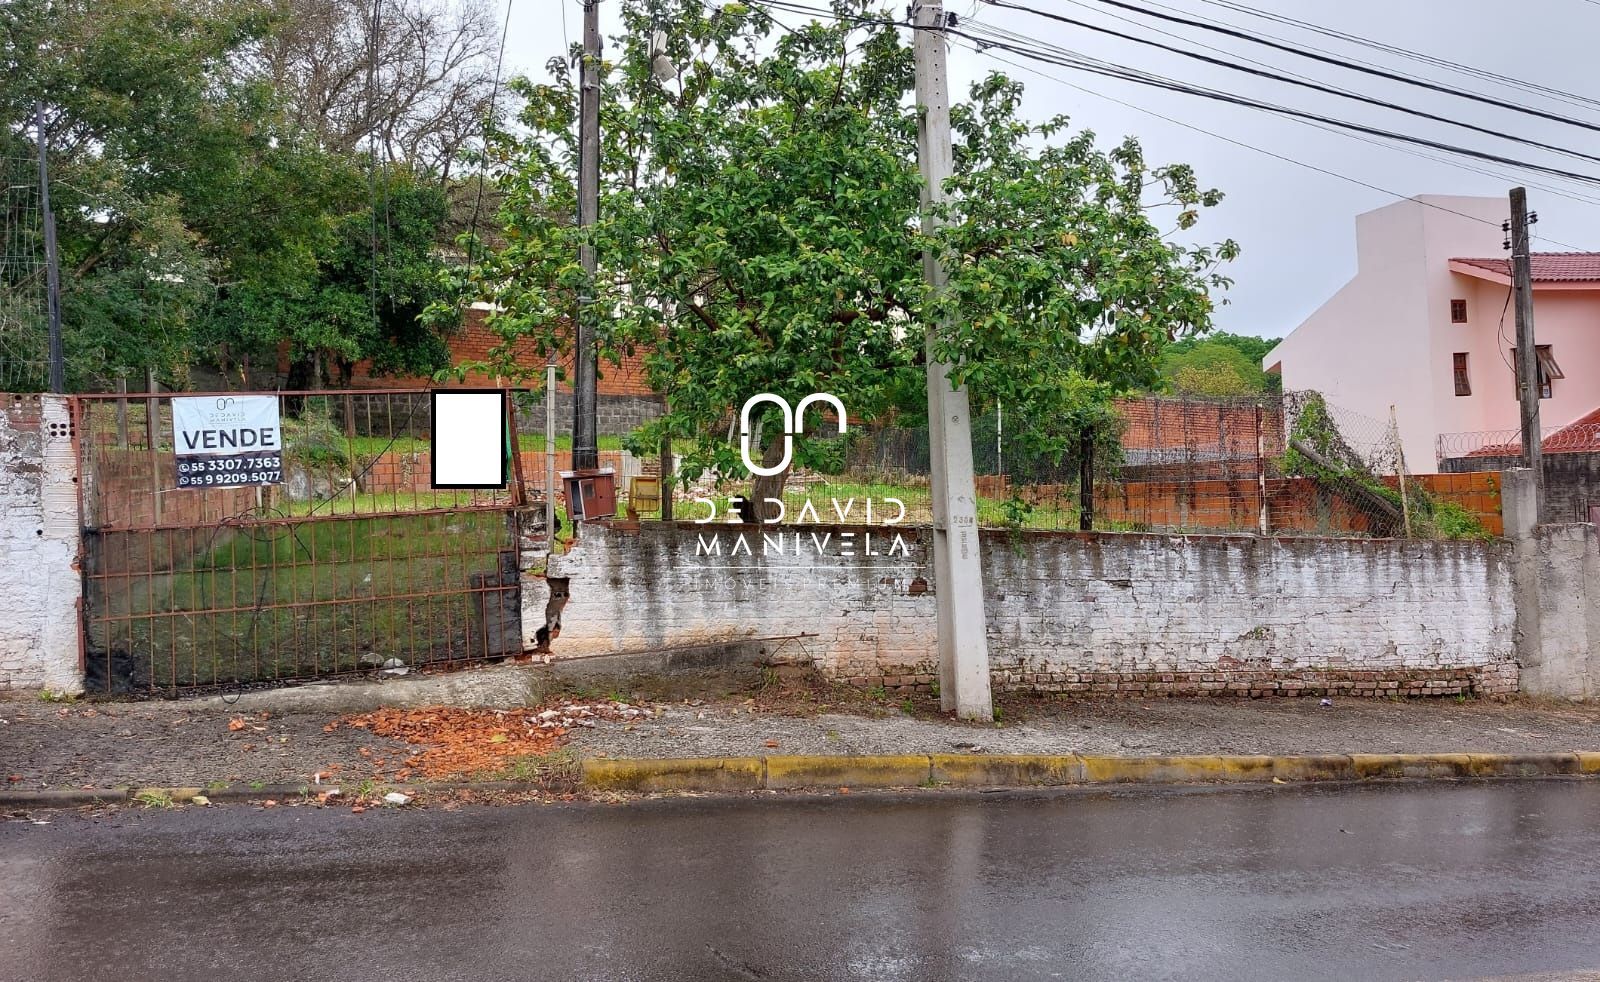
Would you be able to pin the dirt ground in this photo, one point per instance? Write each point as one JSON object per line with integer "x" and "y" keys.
{"x": 47, "y": 745}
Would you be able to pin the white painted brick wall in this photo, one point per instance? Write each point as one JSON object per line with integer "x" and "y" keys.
{"x": 39, "y": 585}
{"x": 1058, "y": 602}
{"x": 1171, "y": 603}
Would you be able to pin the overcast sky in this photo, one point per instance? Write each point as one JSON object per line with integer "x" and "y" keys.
{"x": 1296, "y": 226}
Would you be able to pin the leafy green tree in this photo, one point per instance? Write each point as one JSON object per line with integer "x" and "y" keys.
{"x": 142, "y": 112}
{"x": 202, "y": 216}
{"x": 1219, "y": 364}
{"x": 759, "y": 232}
{"x": 363, "y": 299}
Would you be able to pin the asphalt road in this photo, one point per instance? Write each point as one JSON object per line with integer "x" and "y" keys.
{"x": 1391, "y": 882}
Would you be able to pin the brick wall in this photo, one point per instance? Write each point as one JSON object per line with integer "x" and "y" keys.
{"x": 1118, "y": 613}
{"x": 394, "y": 471}
{"x": 39, "y": 582}
{"x": 1571, "y": 480}
{"x": 474, "y": 342}
{"x": 1294, "y": 504}
{"x": 1155, "y": 428}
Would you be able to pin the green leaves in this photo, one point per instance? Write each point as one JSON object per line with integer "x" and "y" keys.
{"x": 759, "y": 232}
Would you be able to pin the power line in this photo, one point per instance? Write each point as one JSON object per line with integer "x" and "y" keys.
{"x": 979, "y": 48}
{"x": 1291, "y": 78}
{"x": 1012, "y": 36}
{"x": 1560, "y": 95}
{"x": 1303, "y": 53}
{"x": 1093, "y": 66}
{"x": 1082, "y": 63}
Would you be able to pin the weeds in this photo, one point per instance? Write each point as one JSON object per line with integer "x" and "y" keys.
{"x": 154, "y": 798}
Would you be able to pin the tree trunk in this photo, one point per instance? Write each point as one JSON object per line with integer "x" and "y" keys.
{"x": 762, "y": 488}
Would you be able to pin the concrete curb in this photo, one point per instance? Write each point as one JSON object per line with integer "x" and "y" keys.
{"x": 242, "y": 794}
{"x": 1061, "y": 770}
{"x": 725, "y": 774}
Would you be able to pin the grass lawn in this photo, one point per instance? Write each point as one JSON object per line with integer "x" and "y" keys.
{"x": 295, "y": 601}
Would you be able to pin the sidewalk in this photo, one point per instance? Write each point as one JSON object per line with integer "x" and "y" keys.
{"x": 45, "y": 746}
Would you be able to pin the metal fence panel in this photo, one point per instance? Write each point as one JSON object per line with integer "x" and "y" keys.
{"x": 352, "y": 561}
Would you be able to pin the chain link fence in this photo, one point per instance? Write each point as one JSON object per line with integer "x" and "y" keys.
{"x": 24, "y": 327}
{"x": 1291, "y": 464}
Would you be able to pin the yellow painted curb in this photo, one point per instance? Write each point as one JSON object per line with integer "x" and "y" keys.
{"x": 1006, "y": 770}
{"x": 1054, "y": 770}
{"x": 1167, "y": 770}
{"x": 898, "y": 771}
{"x": 1411, "y": 765}
{"x": 1523, "y": 765}
{"x": 681, "y": 774}
{"x": 1312, "y": 767}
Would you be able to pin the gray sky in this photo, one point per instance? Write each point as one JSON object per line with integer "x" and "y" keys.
{"x": 1296, "y": 226}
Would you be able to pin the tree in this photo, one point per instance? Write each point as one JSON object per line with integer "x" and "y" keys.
{"x": 141, "y": 116}
{"x": 415, "y": 76}
{"x": 200, "y": 213}
{"x": 1219, "y": 364}
{"x": 365, "y": 301}
{"x": 759, "y": 233}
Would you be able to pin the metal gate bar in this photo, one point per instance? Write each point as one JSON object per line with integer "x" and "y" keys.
{"x": 355, "y": 560}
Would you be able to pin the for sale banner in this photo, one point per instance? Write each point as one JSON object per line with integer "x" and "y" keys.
{"x": 227, "y": 441}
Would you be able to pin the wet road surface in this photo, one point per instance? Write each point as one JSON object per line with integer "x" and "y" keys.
{"x": 1385, "y": 882}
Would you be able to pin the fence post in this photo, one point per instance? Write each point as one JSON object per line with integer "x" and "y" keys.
{"x": 152, "y": 427}
{"x": 550, "y": 455}
{"x": 999, "y": 443}
{"x": 666, "y": 478}
{"x": 122, "y": 413}
{"x": 1400, "y": 470}
{"x": 519, "y": 494}
{"x": 1263, "y": 517}
{"x": 1086, "y": 480}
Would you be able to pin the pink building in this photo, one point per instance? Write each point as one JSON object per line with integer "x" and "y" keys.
{"x": 1425, "y": 326}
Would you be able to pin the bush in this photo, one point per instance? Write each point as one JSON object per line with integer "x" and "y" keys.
{"x": 1451, "y": 521}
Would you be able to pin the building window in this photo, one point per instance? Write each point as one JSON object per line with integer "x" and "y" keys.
{"x": 1458, "y": 311}
{"x": 1463, "y": 384}
{"x": 1549, "y": 369}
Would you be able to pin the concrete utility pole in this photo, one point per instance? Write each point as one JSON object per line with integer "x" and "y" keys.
{"x": 586, "y": 366}
{"x": 957, "y": 559}
{"x": 1527, "y": 353}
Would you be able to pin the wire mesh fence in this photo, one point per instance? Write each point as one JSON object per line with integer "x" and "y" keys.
{"x": 1291, "y": 464}
{"x": 24, "y": 331}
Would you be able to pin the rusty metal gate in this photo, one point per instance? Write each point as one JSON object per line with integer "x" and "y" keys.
{"x": 352, "y": 561}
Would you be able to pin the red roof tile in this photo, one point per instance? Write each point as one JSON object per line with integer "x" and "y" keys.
{"x": 1548, "y": 267}
{"x": 1582, "y": 435}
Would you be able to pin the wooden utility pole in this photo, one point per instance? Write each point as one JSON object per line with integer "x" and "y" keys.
{"x": 957, "y": 556}
{"x": 1527, "y": 353}
{"x": 585, "y": 453}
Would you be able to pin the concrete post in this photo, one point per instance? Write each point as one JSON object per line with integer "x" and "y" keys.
{"x": 957, "y": 562}
{"x": 1556, "y": 586}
